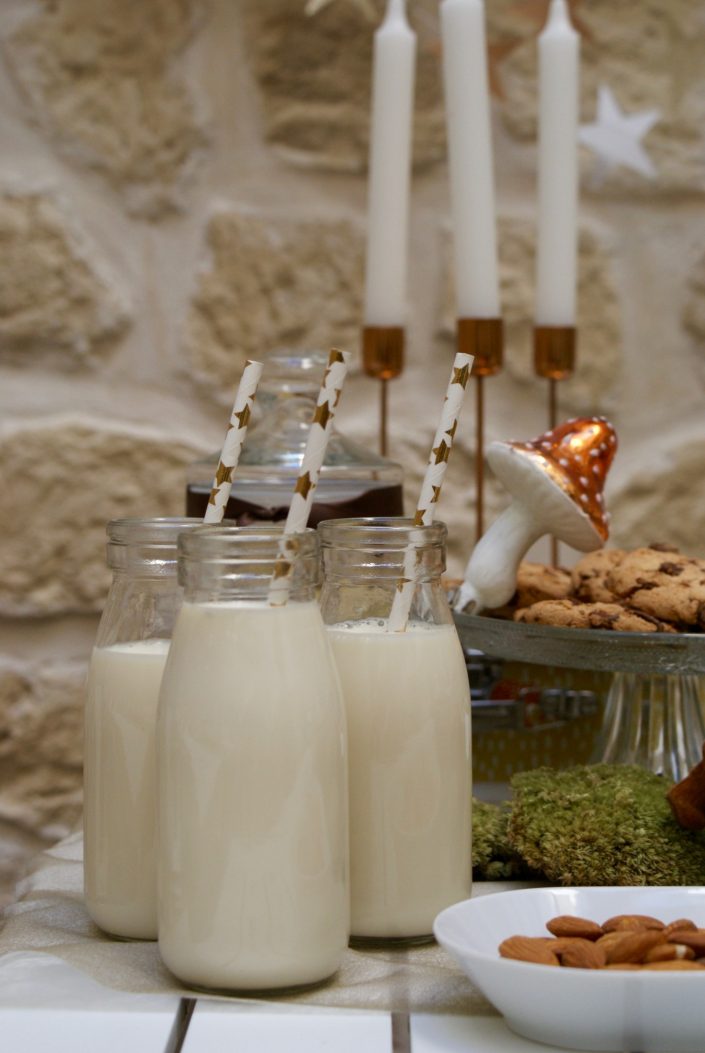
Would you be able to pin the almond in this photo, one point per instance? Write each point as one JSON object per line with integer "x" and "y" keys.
{"x": 696, "y": 939}
{"x": 561, "y": 943}
{"x": 527, "y": 949}
{"x": 583, "y": 954}
{"x": 674, "y": 966}
{"x": 680, "y": 924}
{"x": 609, "y": 939}
{"x": 633, "y": 946}
{"x": 669, "y": 952}
{"x": 567, "y": 925}
{"x": 622, "y": 922}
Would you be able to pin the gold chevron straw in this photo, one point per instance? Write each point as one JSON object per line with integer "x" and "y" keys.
{"x": 234, "y": 440}
{"x": 302, "y": 499}
{"x": 431, "y": 487}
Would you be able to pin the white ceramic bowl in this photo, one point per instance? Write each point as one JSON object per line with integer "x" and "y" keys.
{"x": 634, "y": 1012}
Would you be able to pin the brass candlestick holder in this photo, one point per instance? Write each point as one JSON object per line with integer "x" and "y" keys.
{"x": 383, "y": 359}
{"x": 554, "y": 360}
{"x": 484, "y": 339}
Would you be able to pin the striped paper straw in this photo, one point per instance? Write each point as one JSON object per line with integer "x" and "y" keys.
{"x": 234, "y": 439}
{"x": 302, "y": 500}
{"x": 431, "y": 487}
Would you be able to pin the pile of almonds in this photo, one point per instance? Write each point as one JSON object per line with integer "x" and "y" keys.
{"x": 627, "y": 941}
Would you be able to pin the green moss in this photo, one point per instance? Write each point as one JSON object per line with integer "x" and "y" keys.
{"x": 602, "y": 825}
{"x": 493, "y": 858}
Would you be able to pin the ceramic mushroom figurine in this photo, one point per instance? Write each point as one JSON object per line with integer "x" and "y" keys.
{"x": 556, "y": 483}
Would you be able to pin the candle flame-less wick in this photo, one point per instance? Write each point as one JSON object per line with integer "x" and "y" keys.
{"x": 396, "y": 12}
{"x": 558, "y": 16}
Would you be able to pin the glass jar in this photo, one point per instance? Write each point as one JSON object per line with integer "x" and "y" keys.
{"x": 119, "y": 765}
{"x": 353, "y": 481}
{"x": 407, "y": 700}
{"x": 253, "y": 880}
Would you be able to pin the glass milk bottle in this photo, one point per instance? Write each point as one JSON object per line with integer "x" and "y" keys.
{"x": 119, "y": 766}
{"x": 407, "y": 700}
{"x": 253, "y": 879}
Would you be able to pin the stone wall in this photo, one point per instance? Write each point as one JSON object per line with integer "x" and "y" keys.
{"x": 182, "y": 183}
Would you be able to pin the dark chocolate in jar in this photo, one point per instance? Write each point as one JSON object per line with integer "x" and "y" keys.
{"x": 378, "y": 501}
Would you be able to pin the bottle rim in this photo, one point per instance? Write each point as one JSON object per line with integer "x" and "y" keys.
{"x": 381, "y": 533}
{"x": 146, "y": 547}
{"x": 156, "y": 530}
{"x": 258, "y": 543}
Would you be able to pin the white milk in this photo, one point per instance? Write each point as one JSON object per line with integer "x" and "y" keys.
{"x": 408, "y": 707}
{"x": 119, "y": 779}
{"x": 253, "y": 884}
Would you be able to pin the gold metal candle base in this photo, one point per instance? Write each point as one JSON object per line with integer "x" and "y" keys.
{"x": 484, "y": 339}
{"x": 554, "y": 359}
{"x": 554, "y": 351}
{"x": 383, "y": 351}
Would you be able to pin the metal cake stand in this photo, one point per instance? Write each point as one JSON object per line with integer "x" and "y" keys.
{"x": 655, "y": 708}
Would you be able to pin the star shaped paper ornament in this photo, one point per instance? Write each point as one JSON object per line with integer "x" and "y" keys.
{"x": 615, "y": 137}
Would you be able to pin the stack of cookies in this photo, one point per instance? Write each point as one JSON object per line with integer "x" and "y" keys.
{"x": 654, "y": 589}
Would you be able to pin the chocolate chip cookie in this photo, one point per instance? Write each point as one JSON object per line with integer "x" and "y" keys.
{"x": 648, "y": 568}
{"x": 589, "y": 575}
{"x": 536, "y": 582}
{"x": 682, "y": 602}
{"x": 573, "y": 614}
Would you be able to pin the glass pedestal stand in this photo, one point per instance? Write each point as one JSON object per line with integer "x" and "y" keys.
{"x": 656, "y": 722}
{"x": 654, "y": 713}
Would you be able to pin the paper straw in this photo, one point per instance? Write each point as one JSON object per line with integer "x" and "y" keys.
{"x": 431, "y": 487}
{"x": 302, "y": 500}
{"x": 234, "y": 439}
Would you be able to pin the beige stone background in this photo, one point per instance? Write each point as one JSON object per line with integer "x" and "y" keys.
{"x": 182, "y": 183}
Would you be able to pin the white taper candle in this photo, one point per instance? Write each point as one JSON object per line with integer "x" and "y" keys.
{"x": 470, "y": 158}
{"x": 556, "y": 266}
{"x": 390, "y": 168}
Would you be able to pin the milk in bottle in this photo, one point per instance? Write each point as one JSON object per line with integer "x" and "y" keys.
{"x": 253, "y": 886}
{"x": 119, "y": 772}
{"x": 407, "y": 701}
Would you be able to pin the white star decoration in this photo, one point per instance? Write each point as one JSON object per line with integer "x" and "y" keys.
{"x": 615, "y": 137}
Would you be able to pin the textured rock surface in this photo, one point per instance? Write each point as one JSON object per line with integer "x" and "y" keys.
{"x": 41, "y": 743}
{"x": 598, "y": 355}
{"x": 694, "y": 309}
{"x": 99, "y": 78}
{"x": 271, "y": 283}
{"x": 650, "y": 55}
{"x": 666, "y": 503}
{"x": 315, "y": 74}
{"x": 54, "y": 292}
{"x": 67, "y": 480}
{"x": 16, "y": 848}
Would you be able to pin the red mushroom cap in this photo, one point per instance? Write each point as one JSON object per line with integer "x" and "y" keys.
{"x": 577, "y": 456}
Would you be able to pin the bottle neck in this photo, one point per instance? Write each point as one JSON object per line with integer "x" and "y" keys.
{"x": 238, "y": 564}
{"x": 146, "y": 548}
{"x": 382, "y": 549}
{"x": 366, "y": 561}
